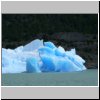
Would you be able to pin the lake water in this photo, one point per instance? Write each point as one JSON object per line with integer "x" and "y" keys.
{"x": 84, "y": 78}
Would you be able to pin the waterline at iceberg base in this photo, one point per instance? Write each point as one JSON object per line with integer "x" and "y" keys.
{"x": 39, "y": 56}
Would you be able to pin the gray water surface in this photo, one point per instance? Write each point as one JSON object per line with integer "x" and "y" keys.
{"x": 84, "y": 78}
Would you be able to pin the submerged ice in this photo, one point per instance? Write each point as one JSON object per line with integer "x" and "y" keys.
{"x": 39, "y": 56}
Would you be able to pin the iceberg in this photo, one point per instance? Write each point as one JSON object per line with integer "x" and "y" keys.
{"x": 38, "y": 56}
{"x": 46, "y": 50}
{"x": 60, "y": 51}
{"x": 49, "y": 44}
{"x": 32, "y": 65}
{"x": 33, "y": 45}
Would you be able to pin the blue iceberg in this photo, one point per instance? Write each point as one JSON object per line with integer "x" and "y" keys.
{"x": 38, "y": 56}
{"x": 49, "y": 44}
{"x": 32, "y": 65}
{"x": 60, "y": 51}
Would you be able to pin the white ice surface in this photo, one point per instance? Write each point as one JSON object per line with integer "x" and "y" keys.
{"x": 36, "y": 44}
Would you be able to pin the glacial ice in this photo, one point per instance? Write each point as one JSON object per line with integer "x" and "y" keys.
{"x": 38, "y": 56}
{"x": 33, "y": 45}
{"x": 49, "y": 44}
{"x": 32, "y": 65}
{"x": 60, "y": 51}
